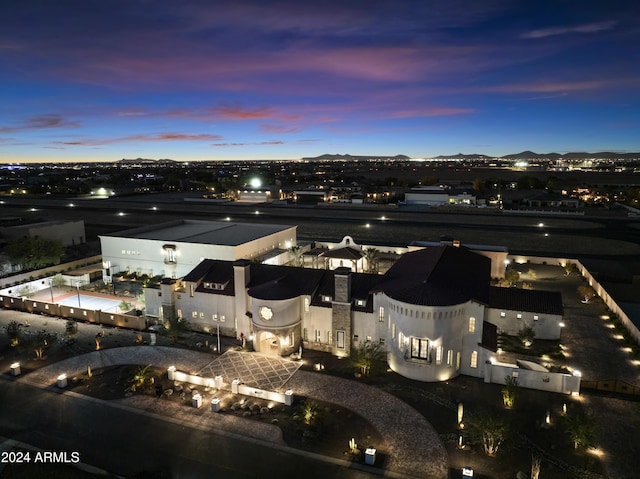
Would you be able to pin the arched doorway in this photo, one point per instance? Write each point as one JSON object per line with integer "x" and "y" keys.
{"x": 269, "y": 343}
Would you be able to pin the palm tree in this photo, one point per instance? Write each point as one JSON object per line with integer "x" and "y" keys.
{"x": 372, "y": 257}
{"x": 580, "y": 427}
{"x": 296, "y": 253}
{"x": 367, "y": 357}
{"x": 489, "y": 429}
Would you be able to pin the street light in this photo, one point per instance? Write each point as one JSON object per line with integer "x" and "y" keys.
{"x": 78, "y": 290}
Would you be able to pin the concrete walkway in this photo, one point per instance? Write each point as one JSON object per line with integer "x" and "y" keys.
{"x": 412, "y": 445}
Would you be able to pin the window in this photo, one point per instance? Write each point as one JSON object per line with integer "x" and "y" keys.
{"x": 201, "y": 315}
{"x": 329, "y": 337}
{"x": 169, "y": 253}
{"x": 393, "y": 331}
{"x": 368, "y": 339}
{"x": 382, "y": 341}
{"x": 306, "y": 305}
{"x": 381, "y": 314}
{"x": 340, "y": 339}
{"x": 361, "y": 302}
{"x": 474, "y": 359}
{"x": 304, "y": 334}
{"x": 419, "y": 348}
{"x": 458, "y": 361}
{"x": 450, "y": 357}
{"x": 472, "y": 324}
{"x": 222, "y": 318}
{"x": 355, "y": 338}
{"x": 71, "y": 310}
{"x": 318, "y": 336}
{"x": 191, "y": 290}
{"x": 400, "y": 340}
{"x": 194, "y": 314}
{"x": 326, "y": 299}
{"x": 439, "y": 355}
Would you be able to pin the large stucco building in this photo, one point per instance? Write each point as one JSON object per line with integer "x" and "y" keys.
{"x": 175, "y": 248}
{"x": 434, "y": 311}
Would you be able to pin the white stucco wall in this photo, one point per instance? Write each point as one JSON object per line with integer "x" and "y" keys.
{"x": 547, "y": 326}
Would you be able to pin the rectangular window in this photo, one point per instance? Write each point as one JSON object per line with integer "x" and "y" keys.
{"x": 382, "y": 341}
{"x": 306, "y": 305}
{"x": 304, "y": 334}
{"x": 222, "y": 318}
{"x": 318, "y": 336}
{"x": 439, "y": 355}
{"x": 400, "y": 340}
{"x": 191, "y": 290}
{"x": 340, "y": 339}
{"x": 329, "y": 337}
{"x": 393, "y": 331}
{"x": 194, "y": 314}
{"x": 381, "y": 314}
{"x": 458, "y": 361}
{"x": 474, "y": 359}
{"x": 361, "y": 302}
{"x": 326, "y": 299}
{"x": 472, "y": 324}
{"x": 201, "y": 315}
{"x": 355, "y": 338}
{"x": 450, "y": 357}
{"x": 419, "y": 348}
{"x": 368, "y": 339}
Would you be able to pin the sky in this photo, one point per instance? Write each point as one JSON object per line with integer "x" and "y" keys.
{"x": 101, "y": 80}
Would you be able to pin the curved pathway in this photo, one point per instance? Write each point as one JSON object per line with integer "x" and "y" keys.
{"x": 412, "y": 445}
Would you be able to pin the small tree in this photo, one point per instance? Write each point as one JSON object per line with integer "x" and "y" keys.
{"x": 71, "y": 330}
{"x": 141, "y": 377}
{"x": 511, "y": 277}
{"x": 368, "y": 357}
{"x": 570, "y": 268}
{"x": 173, "y": 329}
{"x": 296, "y": 254}
{"x": 124, "y": 305}
{"x": 13, "y": 332}
{"x": 526, "y": 336}
{"x": 580, "y": 427}
{"x": 586, "y": 292}
{"x": 40, "y": 342}
{"x": 58, "y": 281}
{"x": 510, "y": 391}
{"x": 489, "y": 429}
{"x": 310, "y": 412}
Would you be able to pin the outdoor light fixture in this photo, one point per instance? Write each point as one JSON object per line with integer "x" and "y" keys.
{"x": 15, "y": 369}
{"x": 467, "y": 472}
{"x": 62, "y": 381}
{"x": 171, "y": 373}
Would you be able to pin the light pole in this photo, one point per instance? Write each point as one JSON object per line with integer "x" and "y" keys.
{"x": 78, "y": 290}
{"x": 51, "y": 289}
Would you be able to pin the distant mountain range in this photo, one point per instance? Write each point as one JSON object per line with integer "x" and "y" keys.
{"x": 524, "y": 155}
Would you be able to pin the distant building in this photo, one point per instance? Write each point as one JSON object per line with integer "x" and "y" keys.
{"x": 69, "y": 233}
{"x": 442, "y": 196}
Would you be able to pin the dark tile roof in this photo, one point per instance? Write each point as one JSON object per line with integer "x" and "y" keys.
{"x": 515, "y": 299}
{"x": 439, "y": 276}
{"x": 343, "y": 253}
{"x": 213, "y": 271}
{"x": 272, "y": 282}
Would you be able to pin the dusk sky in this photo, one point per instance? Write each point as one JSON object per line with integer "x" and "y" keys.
{"x": 84, "y": 80}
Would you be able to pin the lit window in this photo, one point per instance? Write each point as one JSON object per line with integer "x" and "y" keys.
{"x": 194, "y": 314}
{"x": 381, "y": 314}
{"x": 368, "y": 339}
{"x": 400, "y": 340}
{"x": 393, "y": 331}
{"x": 474, "y": 359}
{"x": 450, "y": 357}
{"x": 439, "y": 355}
{"x": 306, "y": 305}
{"x": 419, "y": 348}
{"x": 169, "y": 253}
{"x": 201, "y": 315}
{"x": 340, "y": 339}
{"x": 458, "y": 361}
{"x": 361, "y": 302}
{"x": 71, "y": 310}
{"x": 191, "y": 290}
{"x": 472, "y": 324}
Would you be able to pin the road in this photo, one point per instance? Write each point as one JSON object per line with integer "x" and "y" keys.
{"x": 127, "y": 443}
{"x": 617, "y": 237}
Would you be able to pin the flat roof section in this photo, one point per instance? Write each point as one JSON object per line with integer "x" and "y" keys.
{"x": 203, "y": 232}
